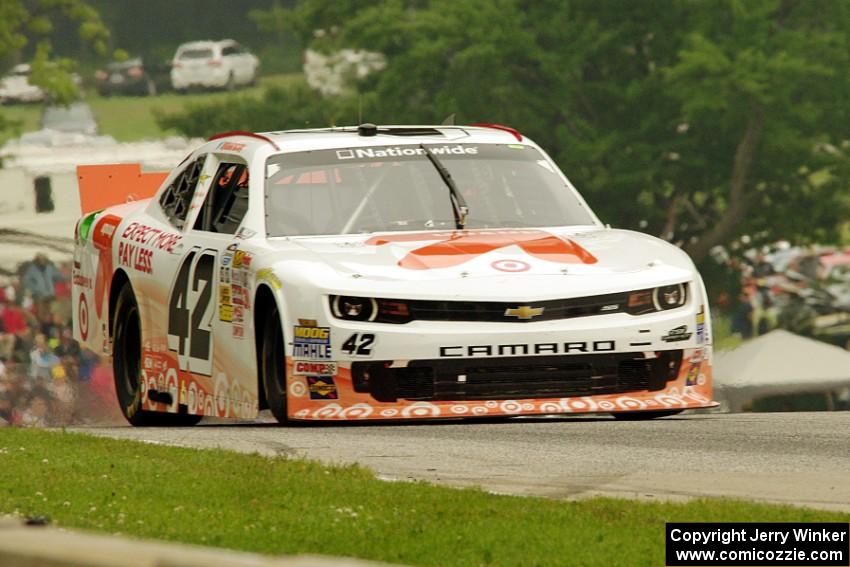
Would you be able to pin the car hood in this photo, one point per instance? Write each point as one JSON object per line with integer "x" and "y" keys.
{"x": 492, "y": 263}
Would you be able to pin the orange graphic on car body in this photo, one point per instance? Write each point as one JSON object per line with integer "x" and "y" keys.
{"x": 455, "y": 248}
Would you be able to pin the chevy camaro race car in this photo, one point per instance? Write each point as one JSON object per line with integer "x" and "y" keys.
{"x": 392, "y": 272}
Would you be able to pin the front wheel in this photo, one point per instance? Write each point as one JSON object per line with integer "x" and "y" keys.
{"x": 272, "y": 365}
{"x": 127, "y": 366}
{"x": 644, "y": 415}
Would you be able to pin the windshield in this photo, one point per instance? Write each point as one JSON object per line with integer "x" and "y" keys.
{"x": 196, "y": 53}
{"x": 395, "y": 188}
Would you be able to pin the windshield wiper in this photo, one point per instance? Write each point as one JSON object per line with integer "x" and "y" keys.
{"x": 461, "y": 210}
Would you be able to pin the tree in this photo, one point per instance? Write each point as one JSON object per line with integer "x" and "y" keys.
{"x": 696, "y": 120}
{"x": 23, "y": 22}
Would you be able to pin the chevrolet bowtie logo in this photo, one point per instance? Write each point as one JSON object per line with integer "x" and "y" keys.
{"x": 524, "y": 312}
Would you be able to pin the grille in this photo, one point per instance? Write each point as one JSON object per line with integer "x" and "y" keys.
{"x": 516, "y": 377}
{"x": 495, "y": 310}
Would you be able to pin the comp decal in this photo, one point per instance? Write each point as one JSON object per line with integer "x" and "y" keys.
{"x": 313, "y": 368}
{"x": 313, "y": 343}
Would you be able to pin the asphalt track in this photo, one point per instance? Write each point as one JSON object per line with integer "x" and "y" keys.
{"x": 793, "y": 458}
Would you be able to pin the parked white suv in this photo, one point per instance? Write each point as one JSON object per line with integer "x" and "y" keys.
{"x": 213, "y": 64}
{"x": 15, "y": 87}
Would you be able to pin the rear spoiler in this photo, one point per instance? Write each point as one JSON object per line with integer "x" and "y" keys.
{"x": 102, "y": 186}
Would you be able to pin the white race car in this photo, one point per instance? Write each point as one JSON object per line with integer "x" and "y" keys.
{"x": 381, "y": 273}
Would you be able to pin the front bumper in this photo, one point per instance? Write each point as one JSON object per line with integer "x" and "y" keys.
{"x": 424, "y": 369}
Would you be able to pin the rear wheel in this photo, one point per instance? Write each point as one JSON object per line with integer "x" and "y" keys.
{"x": 272, "y": 365}
{"x": 127, "y": 366}
{"x": 644, "y": 415}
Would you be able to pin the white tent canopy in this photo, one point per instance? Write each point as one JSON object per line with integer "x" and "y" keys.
{"x": 779, "y": 363}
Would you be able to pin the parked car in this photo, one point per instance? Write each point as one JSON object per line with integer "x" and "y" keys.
{"x": 76, "y": 118}
{"x": 213, "y": 64}
{"x": 130, "y": 77}
{"x": 15, "y": 87}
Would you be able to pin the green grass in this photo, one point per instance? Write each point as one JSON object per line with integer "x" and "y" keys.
{"x": 277, "y": 506}
{"x": 723, "y": 337}
{"x": 130, "y": 118}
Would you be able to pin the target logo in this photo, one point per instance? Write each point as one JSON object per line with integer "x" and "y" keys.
{"x": 448, "y": 249}
{"x": 510, "y": 266}
{"x": 83, "y": 317}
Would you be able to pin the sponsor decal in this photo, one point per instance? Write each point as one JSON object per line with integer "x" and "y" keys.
{"x": 104, "y": 233}
{"x": 524, "y": 312}
{"x": 238, "y": 331}
{"x": 308, "y": 322}
{"x": 456, "y": 248}
{"x": 322, "y": 388}
{"x": 245, "y": 233}
{"x": 311, "y": 342}
{"x": 701, "y": 325}
{"x": 225, "y": 302}
{"x": 151, "y": 237}
{"x": 225, "y": 294}
{"x": 239, "y": 295}
{"x": 510, "y": 266}
{"x": 404, "y": 151}
{"x": 241, "y": 259}
{"x": 693, "y": 375}
{"x": 80, "y": 280}
{"x": 135, "y": 257}
{"x": 679, "y": 333}
{"x": 231, "y": 147}
{"x": 224, "y": 275}
{"x": 267, "y": 275}
{"x": 83, "y": 317}
{"x": 313, "y": 368}
{"x": 575, "y": 347}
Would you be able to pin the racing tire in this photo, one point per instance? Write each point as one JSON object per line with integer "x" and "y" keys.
{"x": 645, "y": 415}
{"x": 272, "y": 365}
{"x": 127, "y": 367}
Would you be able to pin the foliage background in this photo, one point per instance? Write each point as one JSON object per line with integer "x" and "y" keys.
{"x": 699, "y": 121}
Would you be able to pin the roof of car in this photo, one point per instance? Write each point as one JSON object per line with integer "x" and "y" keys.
{"x": 385, "y": 135}
{"x": 204, "y": 43}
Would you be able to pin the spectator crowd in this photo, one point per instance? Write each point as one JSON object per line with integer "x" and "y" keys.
{"x": 802, "y": 289}
{"x": 46, "y": 378}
